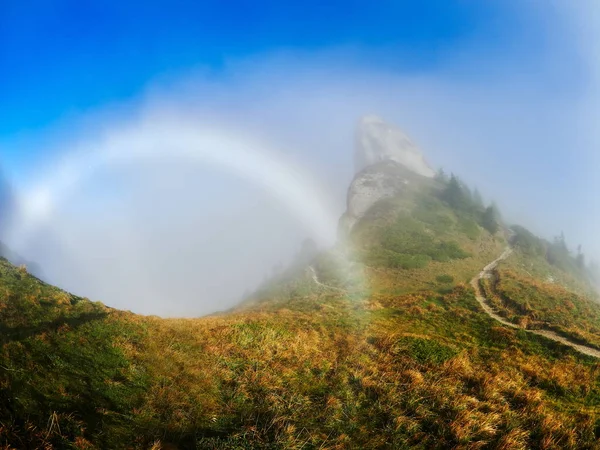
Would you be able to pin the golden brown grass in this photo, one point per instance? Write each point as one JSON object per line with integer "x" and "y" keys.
{"x": 342, "y": 377}
{"x": 539, "y": 304}
{"x": 422, "y": 370}
{"x": 413, "y": 363}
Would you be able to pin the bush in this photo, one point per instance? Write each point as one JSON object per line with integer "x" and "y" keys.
{"x": 529, "y": 243}
{"x": 431, "y": 211}
{"x": 409, "y": 237}
{"x": 489, "y": 220}
{"x": 446, "y": 279}
{"x": 469, "y": 227}
{"x": 404, "y": 261}
{"x": 387, "y": 258}
{"x": 445, "y": 251}
{"x": 425, "y": 351}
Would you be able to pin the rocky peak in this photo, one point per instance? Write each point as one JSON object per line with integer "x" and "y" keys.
{"x": 378, "y": 141}
{"x": 387, "y": 162}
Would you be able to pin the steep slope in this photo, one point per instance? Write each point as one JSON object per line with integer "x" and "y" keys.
{"x": 377, "y": 343}
{"x": 543, "y": 304}
{"x": 497, "y": 304}
{"x": 386, "y": 162}
{"x": 377, "y": 141}
{"x": 61, "y": 370}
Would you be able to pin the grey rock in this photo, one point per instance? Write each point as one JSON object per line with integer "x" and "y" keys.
{"x": 387, "y": 162}
{"x": 378, "y": 141}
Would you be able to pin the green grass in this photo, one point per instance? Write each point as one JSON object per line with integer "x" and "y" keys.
{"x": 425, "y": 351}
{"x": 541, "y": 304}
{"x": 444, "y": 278}
{"x": 408, "y": 361}
{"x": 321, "y": 370}
{"x": 411, "y": 243}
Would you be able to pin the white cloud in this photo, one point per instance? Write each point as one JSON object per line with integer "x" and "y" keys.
{"x": 176, "y": 238}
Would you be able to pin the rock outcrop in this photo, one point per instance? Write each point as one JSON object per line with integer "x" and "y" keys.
{"x": 378, "y": 141}
{"x": 386, "y": 162}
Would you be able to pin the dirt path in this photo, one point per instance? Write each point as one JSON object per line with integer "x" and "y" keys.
{"x": 487, "y": 272}
{"x": 315, "y": 278}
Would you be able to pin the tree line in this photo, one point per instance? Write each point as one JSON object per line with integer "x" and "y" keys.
{"x": 469, "y": 202}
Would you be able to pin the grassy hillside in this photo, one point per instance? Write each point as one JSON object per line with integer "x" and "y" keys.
{"x": 316, "y": 360}
{"x": 418, "y": 241}
{"x": 545, "y": 303}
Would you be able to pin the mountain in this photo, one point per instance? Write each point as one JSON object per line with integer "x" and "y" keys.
{"x": 378, "y": 141}
{"x": 386, "y": 163}
{"x": 430, "y": 324}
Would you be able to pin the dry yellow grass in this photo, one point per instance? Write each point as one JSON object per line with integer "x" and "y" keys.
{"x": 412, "y": 363}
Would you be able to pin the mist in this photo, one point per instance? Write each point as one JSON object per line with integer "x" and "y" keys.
{"x": 6, "y": 203}
{"x": 170, "y": 237}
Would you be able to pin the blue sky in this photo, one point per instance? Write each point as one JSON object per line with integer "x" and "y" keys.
{"x": 60, "y": 58}
{"x": 503, "y": 92}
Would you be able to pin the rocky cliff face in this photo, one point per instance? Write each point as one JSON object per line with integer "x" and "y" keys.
{"x": 385, "y": 160}
{"x": 378, "y": 141}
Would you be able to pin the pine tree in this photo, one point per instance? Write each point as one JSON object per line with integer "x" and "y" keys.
{"x": 561, "y": 243}
{"x": 441, "y": 176}
{"x": 453, "y": 194}
{"x": 489, "y": 219}
{"x": 467, "y": 195}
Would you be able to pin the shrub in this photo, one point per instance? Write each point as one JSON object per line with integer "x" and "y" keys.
{"x": 446, "y": 251}
{"x": 425, "y": 351}
{"x": 445, "y": 278}
{"x": 469, "y": 227}
{"x": 527, "y": 241}
{"x": 489, "y": 220}
{"x": 387, "y": 258}
{"x": 408, "y": 237}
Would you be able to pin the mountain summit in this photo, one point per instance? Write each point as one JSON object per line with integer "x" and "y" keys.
{"x": 377, "y": 140}
{"x": 386, "y": 162}
{"x": 436, "y": 329}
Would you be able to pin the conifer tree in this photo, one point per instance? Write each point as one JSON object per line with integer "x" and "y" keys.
{"x": 489, "y": 219}
{"x": 454, "y": 194}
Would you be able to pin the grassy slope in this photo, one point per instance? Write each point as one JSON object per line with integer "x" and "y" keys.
{"x": 412, "y": 364}
{"x": 529, "y": 292}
